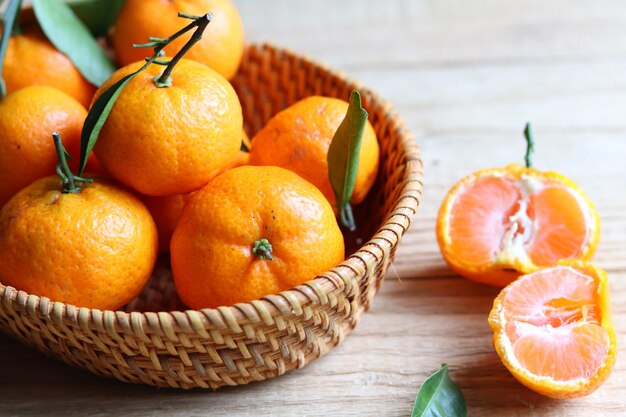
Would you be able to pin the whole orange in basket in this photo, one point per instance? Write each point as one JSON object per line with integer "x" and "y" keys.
{"x": 250, "y": 232}
{"x": 27, "y": 118}
{"x": 90, "y": 245}
{"x": 166, "y": 210}
{"x": 32, "y": 60}
{"x": 553, "y": 329}
{"x": 499, "y": 223}
{"x": 170, "y": 140}
{"x": 298, "y": 138}
{"x": 221, "y": 48}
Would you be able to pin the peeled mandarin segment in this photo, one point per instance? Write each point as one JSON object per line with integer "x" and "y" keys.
{"x": 497, "y": 224}
{"x": 562, "y": 226}
{"x": 549, "y": 294}
{"x": 478, "y": 218}
{"x": 564, "y": 354}
{"x": 552, "y": 330}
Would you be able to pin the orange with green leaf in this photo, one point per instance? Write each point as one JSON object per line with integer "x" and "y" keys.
{"x": 299, "y": 137}
{"x": 170, "y": 130}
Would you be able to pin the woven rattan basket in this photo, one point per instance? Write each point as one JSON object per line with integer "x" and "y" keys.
{"x": 155, "y": 341}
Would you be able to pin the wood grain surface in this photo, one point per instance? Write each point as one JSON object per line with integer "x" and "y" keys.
{"x": 466, "y": 75}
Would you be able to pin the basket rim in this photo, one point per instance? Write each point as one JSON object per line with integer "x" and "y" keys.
{"x": 338, "y": 277}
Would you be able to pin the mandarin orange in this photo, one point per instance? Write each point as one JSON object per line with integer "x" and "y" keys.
{"x": 32, "y": 60}
{"x": 27, "y": 118}
{"x": 221, "y": 48}
{"x": 298, "y": 139}
{"x": 497, "y": 224}
{"x": 94, "y": 247}
{"x": 553, "y": 329}
{"x": 170, "y": 140}
{"x": 250, "y": 232}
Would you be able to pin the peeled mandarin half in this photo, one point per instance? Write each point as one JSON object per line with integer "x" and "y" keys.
{"x": 497, "y": 224}
{"x": 552, "y": 329}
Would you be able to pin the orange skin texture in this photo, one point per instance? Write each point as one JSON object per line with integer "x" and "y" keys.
{"x": 547, "y": 386}
{"x": 298, "y": 139}
{"x": 94, "y": 249}
{"x": 32, "y": 60}
{"x": 212, "y": 258}
{"x": 497, "y": 273}
{"x": 173, "y": 140}
{"x": 220, "y": 48}
{"x": 27, "y": 119}
{"x": 167, "y": 210}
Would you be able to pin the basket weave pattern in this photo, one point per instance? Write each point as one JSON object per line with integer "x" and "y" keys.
{"x": 152, "y": 343}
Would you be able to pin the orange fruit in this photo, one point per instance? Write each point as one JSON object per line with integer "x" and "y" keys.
{"x": 230, "y": 229}
{"x": 32, "y": 60}
{"x": 27, "y": 119}
{"x": 497, "y": 224}
{"x": 167, "y": 210}
{"x": 553, "y": 331}
{"x": 95, "y": 248}
{"x": 172, "y": 140}
{"x": 221, "y": 47}
{"x": 298, "y": 138}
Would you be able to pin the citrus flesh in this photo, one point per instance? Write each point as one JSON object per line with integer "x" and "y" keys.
{"x": 552, "y": 329}
{"x": 497, "y": 224}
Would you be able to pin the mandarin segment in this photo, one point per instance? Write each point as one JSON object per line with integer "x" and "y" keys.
{"x": 216, "y": 257}
{"x": 497, "y": 224}
{"x": 553, "y": 329}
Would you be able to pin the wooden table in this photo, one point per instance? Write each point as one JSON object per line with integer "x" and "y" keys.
{"x": 466, "y": 75}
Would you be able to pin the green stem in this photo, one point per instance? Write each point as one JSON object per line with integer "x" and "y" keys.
{"x": 165, "y": 79}
{"x": 9, "y": 20}
{"x": 262, "y": 249}
{"x": 347, "y": 218}
{"x": 71, "y": 183}
{"x": 530, "y": 145}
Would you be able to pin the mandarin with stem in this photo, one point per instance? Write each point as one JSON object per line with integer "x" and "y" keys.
{"x": 497, "y": 224}
{"x": 90, "y": 244}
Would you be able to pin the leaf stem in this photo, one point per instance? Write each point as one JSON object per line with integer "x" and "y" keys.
{"x": 9, "y": 20}
{"x": 71, "y": 183}
{"x": 165, "y": 79}
{"x": 530, "y": 145}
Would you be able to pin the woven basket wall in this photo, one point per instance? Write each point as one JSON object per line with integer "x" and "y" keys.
{"x": 156, "y": 342}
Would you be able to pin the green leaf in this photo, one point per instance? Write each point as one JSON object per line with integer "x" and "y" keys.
{"x": 72, "y": 37}
{"x": 97, "y": 116}
{"x": 97, "y": 15}
{"x": 343, "y": 157}
{"x": 439, "y": 397}
{"x": 8, "y": 21}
